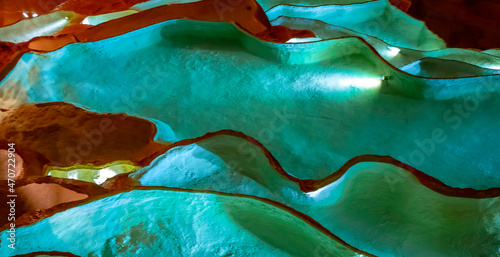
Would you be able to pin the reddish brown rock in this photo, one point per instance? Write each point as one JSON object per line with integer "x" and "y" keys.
{"x": 12, "y": 11}
{"x": 36, "y": 194}
{"x": 52, "y": 253}
{"x": 402, "y": 5}
{"x": 247, "y": 14}
{"x": 119, "y": 183}
{"x": 60, "y": 134}
{"x": 461, "y": 23}
{"x": 93, "y": 7}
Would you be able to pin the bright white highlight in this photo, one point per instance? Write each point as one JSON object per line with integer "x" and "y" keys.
{"x": 341, "y": 83}
{"x": 98, "y": 19}
{"x": 393, "y": 51}
{"x": 25, "y": 15}
{"x": 104, "y": 174}
{"x": 71, "y": 174}
{"x": 361, "y": 82}
{"x": 326, "y": 191}
{"x": 303, "y": 40}
{"x": 492, "y": 67}
{"x": 317, "y": 192}
{"x": 86, "y": 21}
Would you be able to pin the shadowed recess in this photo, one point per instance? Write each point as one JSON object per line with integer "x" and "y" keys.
{"x": 62, "y": 135}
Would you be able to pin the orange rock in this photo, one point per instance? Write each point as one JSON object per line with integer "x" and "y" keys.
{"x": 247, "y": 14}
{"x": 36, "y": 194}
{"x": 13, "y": 11}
